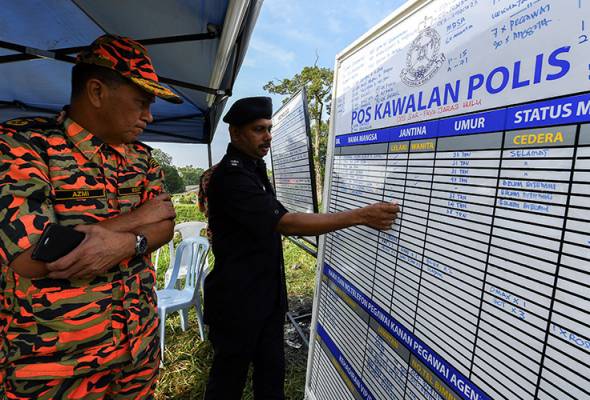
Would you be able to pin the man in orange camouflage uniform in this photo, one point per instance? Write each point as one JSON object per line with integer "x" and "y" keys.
{"x": 203, "y": 196}
{"x": 84, "y": 326}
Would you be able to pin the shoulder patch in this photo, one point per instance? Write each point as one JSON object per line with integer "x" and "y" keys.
{"x": 21, "y": 124}
{"x": 153, "y": 162}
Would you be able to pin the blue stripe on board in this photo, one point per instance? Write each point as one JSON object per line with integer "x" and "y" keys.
{"x": 445, "y": 371}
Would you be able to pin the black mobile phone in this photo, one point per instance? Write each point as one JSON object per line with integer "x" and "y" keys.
{"x": 56, "y": 241}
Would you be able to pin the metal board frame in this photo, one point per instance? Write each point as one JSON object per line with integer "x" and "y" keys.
{"x": 301, "y": 241}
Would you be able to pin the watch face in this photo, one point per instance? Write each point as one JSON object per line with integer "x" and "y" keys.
{"x": 141, "y": 245}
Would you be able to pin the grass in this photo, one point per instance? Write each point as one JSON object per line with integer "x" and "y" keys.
{"x": 187, "y": 359}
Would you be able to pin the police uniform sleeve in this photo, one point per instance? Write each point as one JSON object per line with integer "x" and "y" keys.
{"x": 25, "y": 190}
{"x": 249, "y": 204}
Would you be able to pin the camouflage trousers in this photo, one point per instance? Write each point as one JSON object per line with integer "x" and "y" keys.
{"x": 128, "y": 381}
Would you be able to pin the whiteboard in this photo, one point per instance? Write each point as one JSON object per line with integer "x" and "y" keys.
{"x": 292, "y": 162}
{"x": 475, "y": 117}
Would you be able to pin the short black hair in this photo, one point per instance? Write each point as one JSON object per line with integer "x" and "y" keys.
{"x": 82, "y": 73}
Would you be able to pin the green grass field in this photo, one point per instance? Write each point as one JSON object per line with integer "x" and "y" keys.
{"x": 187, "y": 359}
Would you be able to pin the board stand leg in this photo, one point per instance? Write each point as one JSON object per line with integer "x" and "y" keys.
{"x": 293, "y": 320}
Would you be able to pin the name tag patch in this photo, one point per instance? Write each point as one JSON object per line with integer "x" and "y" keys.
{"x": 79, "y": 194}
{"x": 128, "y": 191}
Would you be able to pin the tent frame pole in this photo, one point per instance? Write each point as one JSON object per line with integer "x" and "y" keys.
{"x": 209, "y": 154}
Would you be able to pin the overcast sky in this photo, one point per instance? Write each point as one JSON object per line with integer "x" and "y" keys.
{"x": 289, "y": 35}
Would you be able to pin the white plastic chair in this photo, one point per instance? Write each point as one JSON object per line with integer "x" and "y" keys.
{"x": 171, "y": 299}
{"x": 186, "y": 230}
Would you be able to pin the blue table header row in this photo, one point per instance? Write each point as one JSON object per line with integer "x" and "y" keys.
{"x": 561, "y": 111}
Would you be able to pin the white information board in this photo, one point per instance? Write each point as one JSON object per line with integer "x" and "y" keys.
{"x": 292, "y": 163}
{"x": 475, "y": 116}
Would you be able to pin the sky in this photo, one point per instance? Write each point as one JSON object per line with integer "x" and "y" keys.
{"x": 289, "y": 35}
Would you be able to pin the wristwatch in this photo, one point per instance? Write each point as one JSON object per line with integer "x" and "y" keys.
{"x": 140, "y": 244}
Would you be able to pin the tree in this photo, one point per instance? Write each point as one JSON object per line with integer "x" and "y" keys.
{"x": 172, "y": 181}
{"x": 161, "y": 157}
{"x": 318, "y": 84}
{"x": 190, "y": 175}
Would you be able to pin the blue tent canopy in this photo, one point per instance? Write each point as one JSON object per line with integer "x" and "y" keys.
{"x": 197, "y": 47}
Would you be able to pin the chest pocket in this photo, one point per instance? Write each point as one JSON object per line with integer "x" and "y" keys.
{"x": 78, "y": 191}
{"x": 80, "y": 206}
{"x": 129, "y": 198}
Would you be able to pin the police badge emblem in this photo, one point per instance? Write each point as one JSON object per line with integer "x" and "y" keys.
{"x": 423, "y": 59}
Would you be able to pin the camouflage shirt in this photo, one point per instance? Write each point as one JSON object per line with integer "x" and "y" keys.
{"x": 203, "y": 198}
{"x": 60, "y": 327}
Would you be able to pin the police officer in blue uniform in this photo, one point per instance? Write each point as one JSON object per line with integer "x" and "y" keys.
{"x": 245, "y": 293}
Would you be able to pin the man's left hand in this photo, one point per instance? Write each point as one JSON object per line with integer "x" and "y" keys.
{"x": 100, "y": 250}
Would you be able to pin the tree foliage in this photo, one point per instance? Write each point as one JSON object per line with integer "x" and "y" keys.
{"x": 173, "y": 183}
{"x": 190, "y": 175}
{"x": 317, "y": 82}
{"x": 161, "y": 157}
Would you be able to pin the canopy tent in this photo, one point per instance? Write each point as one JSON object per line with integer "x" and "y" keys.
{"x": 197, "y": 47}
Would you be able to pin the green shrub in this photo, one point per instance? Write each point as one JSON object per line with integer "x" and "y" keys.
{"x": 186, "y": 198}
{"x": 188, "y": 212}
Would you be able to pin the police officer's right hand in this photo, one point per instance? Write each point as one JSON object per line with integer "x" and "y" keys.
{"x": 158, "y": 209}
{"x": 379, "y": 215}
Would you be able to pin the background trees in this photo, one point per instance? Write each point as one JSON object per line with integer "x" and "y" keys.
{"x": 176, "y": 179}
{"x": 190, "y": 175}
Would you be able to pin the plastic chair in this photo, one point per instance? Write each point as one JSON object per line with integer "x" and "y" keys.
{"x": 190, "y": 229}
{"x": 171, "y": 299}
{"x": 186, "y": 230}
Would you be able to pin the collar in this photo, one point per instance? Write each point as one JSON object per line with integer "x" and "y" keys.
{"x": 120, "y": 148}
{"x": 86, "y": 142}
{"x": 249, "y": 163}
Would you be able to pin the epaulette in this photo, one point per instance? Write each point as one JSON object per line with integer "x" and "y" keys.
{"x": 234, "y": 163}
{"x": 21, "y": 124}
{"x": 153, "y": 163}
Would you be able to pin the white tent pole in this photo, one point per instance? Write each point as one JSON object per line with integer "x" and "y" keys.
{"x": 236, "y": 11}
{"x": 209, "y": 153}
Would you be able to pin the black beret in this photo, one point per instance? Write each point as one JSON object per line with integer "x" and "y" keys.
{"x": 249, "y": 109}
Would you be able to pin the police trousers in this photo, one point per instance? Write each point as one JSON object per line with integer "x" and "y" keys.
{"x": 236, "y": 346}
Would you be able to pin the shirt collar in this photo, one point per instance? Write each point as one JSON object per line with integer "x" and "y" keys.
{"x": 86, "y": 142}
{"x": 250, "y": 163}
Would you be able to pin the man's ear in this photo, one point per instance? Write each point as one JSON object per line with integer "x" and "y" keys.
{"x": 234, "y": 133}
{"x": 96, "y": 92}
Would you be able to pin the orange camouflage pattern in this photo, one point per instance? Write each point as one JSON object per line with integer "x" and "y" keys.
{"x": 203, "y": 196}
{"x": 129, "y": 381}
{"x": 52, "y": 329}
{"x": 130, "y": 59}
